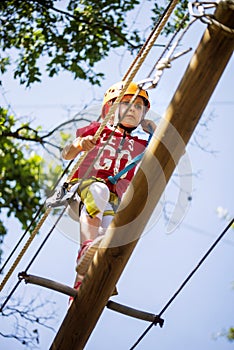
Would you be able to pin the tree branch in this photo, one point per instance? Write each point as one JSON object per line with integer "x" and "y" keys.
{"x": 32, "y": 313}
{"x": 60, "y": 126}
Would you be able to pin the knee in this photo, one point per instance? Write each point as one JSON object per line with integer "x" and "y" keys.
{"x": 96, "y": 199}
{"x": 100, "y": 192}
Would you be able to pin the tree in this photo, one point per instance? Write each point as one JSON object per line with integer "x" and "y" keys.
{"x": 72, "y": 39}
{"x": 20, "y": 169}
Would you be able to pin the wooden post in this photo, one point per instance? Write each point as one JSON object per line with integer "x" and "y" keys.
{"x": 158, "y": 164}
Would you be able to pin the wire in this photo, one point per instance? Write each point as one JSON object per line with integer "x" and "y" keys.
{"x": 184, "y": 283}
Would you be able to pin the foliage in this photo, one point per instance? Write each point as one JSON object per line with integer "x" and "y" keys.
{"x": 230, "y": 334}
{"x": 73, "y": 39}
{"x": 19, "y": 172}
{"x": 51, "y": 35}
{"x": 72, "y": 35}
{"x": 179, "y": 14}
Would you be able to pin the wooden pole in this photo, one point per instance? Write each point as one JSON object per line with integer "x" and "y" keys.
{"x": 165, "y": 149}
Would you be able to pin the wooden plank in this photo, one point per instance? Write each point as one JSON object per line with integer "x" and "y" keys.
{"x": 159, "y": 162}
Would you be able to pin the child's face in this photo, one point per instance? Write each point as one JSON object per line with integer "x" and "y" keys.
{"x": 135, "y": 113}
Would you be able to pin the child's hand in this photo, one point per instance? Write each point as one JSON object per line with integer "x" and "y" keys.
{"x": 148, "y": 125}
{"x": 87, "y": 143}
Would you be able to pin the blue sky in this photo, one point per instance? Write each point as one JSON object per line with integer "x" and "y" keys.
{"x": 161, "y": 261}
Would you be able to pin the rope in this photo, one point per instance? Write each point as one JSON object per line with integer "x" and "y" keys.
{"x": 184, "y": 283}
{"x": 157, "y": 30}
{"x": 167, "y": 12}
{"x": 128, "y": 77}
{"x": 165, "y": 62}
{"x": 169, "y": 44}
{"x": 207, "y": 18}
{"x": 37, "y": 228}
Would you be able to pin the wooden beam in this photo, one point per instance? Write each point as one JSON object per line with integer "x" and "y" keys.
{"x": 165, "y": 149}
{"x": 62, "y": 288}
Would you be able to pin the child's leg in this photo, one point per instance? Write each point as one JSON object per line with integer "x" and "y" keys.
{"x": 96, "y": 200}
{"x": 90, "y": 227}
{"x": 106, "y": 219}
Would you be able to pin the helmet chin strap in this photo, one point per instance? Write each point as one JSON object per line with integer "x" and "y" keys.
{"x": 126, "y": 128}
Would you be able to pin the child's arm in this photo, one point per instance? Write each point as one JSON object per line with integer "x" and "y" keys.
{"x": 72, "y": 150}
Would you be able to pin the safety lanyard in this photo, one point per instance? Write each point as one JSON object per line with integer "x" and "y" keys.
{"x": 134, "y": 162}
